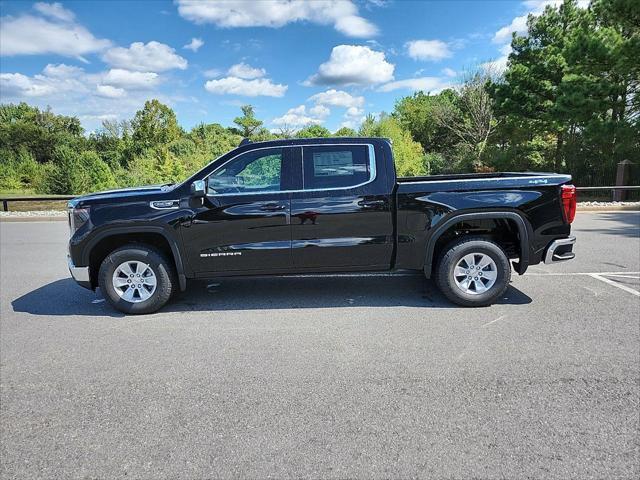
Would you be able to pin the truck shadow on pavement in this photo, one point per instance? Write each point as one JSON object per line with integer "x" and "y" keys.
{"x": 64, "y": 297}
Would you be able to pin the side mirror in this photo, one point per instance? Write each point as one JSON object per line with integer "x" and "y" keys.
{"x": 199, "y": 188}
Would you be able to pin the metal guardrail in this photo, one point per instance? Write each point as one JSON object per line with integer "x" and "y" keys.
{"x": 49, "y": 198}
{"x": 52, "y": 198}
{"x": 627, "y": 187}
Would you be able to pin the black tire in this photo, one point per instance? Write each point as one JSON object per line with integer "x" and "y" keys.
{"x": 166, "y": 282}
{"x": 453, "y": 253}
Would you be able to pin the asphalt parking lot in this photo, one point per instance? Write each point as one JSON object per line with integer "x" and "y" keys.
{"x": 363, "y": 377}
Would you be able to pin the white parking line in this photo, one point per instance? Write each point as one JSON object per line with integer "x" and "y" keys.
{"x": 561, "y": 274}
{"x": 620, "y": 275}
{"x": 494, "y": 321}
{"x": 616, "y": 284}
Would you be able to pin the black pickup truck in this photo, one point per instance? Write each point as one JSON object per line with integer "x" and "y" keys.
{"x": 318, "y": 206}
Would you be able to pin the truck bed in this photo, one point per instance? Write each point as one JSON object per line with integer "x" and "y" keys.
{"x": 479, "y": 181}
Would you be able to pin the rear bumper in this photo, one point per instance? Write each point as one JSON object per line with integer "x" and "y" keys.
{"x": 560, "y": 250}
{"x": 79, "y": 274}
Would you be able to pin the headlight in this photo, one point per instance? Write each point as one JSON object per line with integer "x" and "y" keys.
{"x": 77, "y": 218}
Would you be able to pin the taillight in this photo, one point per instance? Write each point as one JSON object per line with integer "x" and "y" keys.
{"x": 569, "y": 199}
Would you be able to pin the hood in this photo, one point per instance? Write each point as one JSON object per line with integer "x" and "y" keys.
{"x": 121, "y": 193}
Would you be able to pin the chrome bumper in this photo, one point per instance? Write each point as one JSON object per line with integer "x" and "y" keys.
{"x": 552, "y": 257}
{"x": 79, "y": 274}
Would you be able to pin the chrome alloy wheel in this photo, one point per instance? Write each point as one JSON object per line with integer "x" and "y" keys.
{"x": 134, "y": 281}
{"x": 475, "y": 273}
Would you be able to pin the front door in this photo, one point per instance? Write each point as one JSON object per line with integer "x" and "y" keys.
{"x": 243, "y": 224}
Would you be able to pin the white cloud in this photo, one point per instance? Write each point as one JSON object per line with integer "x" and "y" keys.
{"x": 242, "y": 70}
{"x": 426, "y": 84}
{"x": 428, "y": 50}
{"x": 151, "y": 57}
{"x": 449, "y": 72}
{"x": 319, "y": 111}
{"x": 57, "y": 81}
{"x": 108, "y": 91}
{"x": 299, "y": 117}
{"x": 30, "y": 35}
{"x": 92, "y": 97}
{"x": 127, "y": 79}
{"x": 17, "y": 84}
{"x": 354, "y": 26}
{"x": 354, "y": 112}
{"x": 342, "y": 14}
{"x": 62, "y": 71}
{"x": 194, "y": 45}
{"x": 519, "y": 23}
{"x": 353, "y": 65}
{"x": 55, "y": 11}
{"x": 337, "y": 98}
{"x": 248, "y": 88}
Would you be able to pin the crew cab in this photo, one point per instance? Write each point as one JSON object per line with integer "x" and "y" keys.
{"x": 317, "y": 206}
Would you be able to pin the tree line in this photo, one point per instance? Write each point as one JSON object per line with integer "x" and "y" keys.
{"x": 568, "y": 102}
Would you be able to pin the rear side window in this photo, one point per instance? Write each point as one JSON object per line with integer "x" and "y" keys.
{"x": 339, "y": 166}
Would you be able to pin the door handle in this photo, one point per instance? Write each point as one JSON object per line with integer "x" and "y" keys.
{"x": 273, "y": 207}
{"x": 371, "y": 203}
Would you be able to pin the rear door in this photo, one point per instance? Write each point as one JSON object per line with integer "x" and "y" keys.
{"x": 341, "y": 218}
{"x": 243, "y": 225}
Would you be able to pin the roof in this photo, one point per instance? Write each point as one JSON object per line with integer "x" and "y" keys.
{"x": 311, "y": 141}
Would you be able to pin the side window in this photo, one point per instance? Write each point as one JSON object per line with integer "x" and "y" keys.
{"x": 257, "y": 171}
{"x": 335, "y": 166}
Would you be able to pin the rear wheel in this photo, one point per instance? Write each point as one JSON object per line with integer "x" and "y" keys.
{"x": 136, "y": 279}
{"x": 473, "y": 272}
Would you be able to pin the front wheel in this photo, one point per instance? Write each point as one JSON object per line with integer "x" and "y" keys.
{"x": 473, "y": 272}
{"x": 136, "y": 279}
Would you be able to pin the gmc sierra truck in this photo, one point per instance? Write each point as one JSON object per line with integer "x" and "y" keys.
{"x": 317, "y": 206}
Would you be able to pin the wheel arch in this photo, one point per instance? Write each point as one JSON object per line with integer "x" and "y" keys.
{"x": 524, "y": 234}
{"x": 105, "y": 242}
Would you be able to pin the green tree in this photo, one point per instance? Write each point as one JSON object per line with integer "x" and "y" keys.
{"x": 313, "y": 131}
{"x": 570, "y": 92}
{"x": 345, "y": 132}
{"x": 416, "y": 114}
{"x": 248, "y": 123}
{"x": 100, "y": 176}
{"x": 39, "y": 132}
{"x": 469, "y": 118}
{"x": 155, "y": 125}
{"x": 408, "y": 154}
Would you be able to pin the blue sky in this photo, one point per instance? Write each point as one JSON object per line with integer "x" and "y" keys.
{"x": 322, "y": 61}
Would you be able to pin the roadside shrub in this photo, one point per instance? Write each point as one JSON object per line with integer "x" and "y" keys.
{"x": 71, "y": 173}
{"x": 99, "y": 173}
{"x": 435, "y": 162}
{"x": 18, "y": 171}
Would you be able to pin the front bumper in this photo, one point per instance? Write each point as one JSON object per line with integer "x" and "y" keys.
{"x": 560, "y": 250}
{"x": 79, "y": 274}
